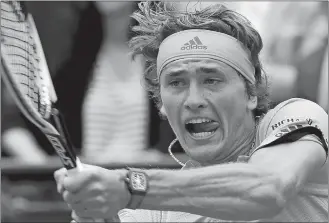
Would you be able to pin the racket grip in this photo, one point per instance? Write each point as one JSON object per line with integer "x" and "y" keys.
{"x": 77, "y": 169}
{"x": 71, "y": 172}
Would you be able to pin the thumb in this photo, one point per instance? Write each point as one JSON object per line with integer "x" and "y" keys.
{"x": 77, "y": 180}
{"x": 71, "y": 184}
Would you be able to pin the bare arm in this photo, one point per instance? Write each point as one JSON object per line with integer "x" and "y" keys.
{"x": 237, "y": 191}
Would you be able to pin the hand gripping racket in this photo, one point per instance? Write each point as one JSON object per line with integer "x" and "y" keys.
{"x": 25, "y": 73}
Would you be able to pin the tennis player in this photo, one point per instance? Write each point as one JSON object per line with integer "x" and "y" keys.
{"x": 247, "y": 162}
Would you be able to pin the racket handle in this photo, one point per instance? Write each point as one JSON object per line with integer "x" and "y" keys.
{"x": 71, "y": 172}
{"x": 77, "y": 169}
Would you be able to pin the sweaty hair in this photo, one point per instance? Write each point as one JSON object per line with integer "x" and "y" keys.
{"x": 158, "y": 20}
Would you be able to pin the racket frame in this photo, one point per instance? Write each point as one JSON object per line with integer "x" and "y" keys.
{"x": 64, "y": 150}
{"x": 57, "y": 135}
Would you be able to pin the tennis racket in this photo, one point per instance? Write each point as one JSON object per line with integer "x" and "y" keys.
{"x": 25, "y": 73}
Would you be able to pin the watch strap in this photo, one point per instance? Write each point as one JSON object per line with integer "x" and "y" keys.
{"x": 137, "y": 196}
{"x": 135, "y": 201}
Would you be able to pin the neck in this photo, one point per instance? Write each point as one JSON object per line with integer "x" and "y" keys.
{"x": 241, "y": 145}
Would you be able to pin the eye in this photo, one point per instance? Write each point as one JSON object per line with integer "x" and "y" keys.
{"x": 176, "y": 83}
{"x": 212, "y": 81}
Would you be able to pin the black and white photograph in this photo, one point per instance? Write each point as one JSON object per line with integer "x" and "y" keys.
{"x": 164, "y": 111}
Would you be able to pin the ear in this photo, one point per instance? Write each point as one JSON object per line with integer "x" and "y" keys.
{"x": 252, "y": 102}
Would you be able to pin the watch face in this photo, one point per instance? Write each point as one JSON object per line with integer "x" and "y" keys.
{"x": 138, "y": 181}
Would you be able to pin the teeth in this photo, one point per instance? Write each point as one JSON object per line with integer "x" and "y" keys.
{"x": 202, "y": 134}
{"x": 198, "y": 120}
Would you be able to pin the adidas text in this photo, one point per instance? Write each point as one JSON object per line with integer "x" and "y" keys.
{"x": 193, "y": 47}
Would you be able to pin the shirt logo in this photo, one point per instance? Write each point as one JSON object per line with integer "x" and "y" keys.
{"x": 194, "y": 44}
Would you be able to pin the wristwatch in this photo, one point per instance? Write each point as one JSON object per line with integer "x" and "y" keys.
{"x": 137, "y": 182}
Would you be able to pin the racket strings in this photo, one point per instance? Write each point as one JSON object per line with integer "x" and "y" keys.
{"x": 21, "y": 50}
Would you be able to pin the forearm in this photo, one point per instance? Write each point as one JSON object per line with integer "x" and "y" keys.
{"x": 230, "y": 192}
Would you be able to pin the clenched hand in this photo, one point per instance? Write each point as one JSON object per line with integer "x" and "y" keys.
{"x": 94, "y": 192}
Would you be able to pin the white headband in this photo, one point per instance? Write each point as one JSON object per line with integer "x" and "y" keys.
{"x": 200, "y": 43}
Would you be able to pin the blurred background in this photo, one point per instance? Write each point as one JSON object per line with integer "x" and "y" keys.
{"x": 111, "y": 120}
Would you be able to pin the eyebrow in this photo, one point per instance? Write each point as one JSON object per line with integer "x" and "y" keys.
{"x": 202, "y": 69}
{"x": 175, "y": 73}
{"x": 208, "y": 70}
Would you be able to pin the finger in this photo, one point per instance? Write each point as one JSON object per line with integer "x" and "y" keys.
{"x": 82, "y": 220}
{"x": 92, "y": 192}
{"x": 59, "y": 176}
{"x": 79, "y": 219}
{"x": 90, "y": 204}
{"x": 89, "y": 214}
{"x": 74, "y": 216}
{"x": 77, "y": 181}
{"x": 71, "y": 198}
{"x": 116, "y": 218}
{"x": 91, "y": 208}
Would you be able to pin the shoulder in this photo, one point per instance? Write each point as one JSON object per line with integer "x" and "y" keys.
{"x": 292, "y": 120}
{"x": 296, "y": 112}
{"x": 292, "y": 137}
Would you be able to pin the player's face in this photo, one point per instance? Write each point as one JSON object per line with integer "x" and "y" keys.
{"x": 207, "y": 106}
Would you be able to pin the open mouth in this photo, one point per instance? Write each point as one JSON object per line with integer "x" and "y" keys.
{"x": 202, "y": 127}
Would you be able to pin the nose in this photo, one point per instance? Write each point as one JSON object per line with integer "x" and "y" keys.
{"x": 195, "y": 99}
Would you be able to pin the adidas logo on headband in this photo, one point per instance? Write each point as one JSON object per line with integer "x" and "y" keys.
{"x": 194, "y": 44}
